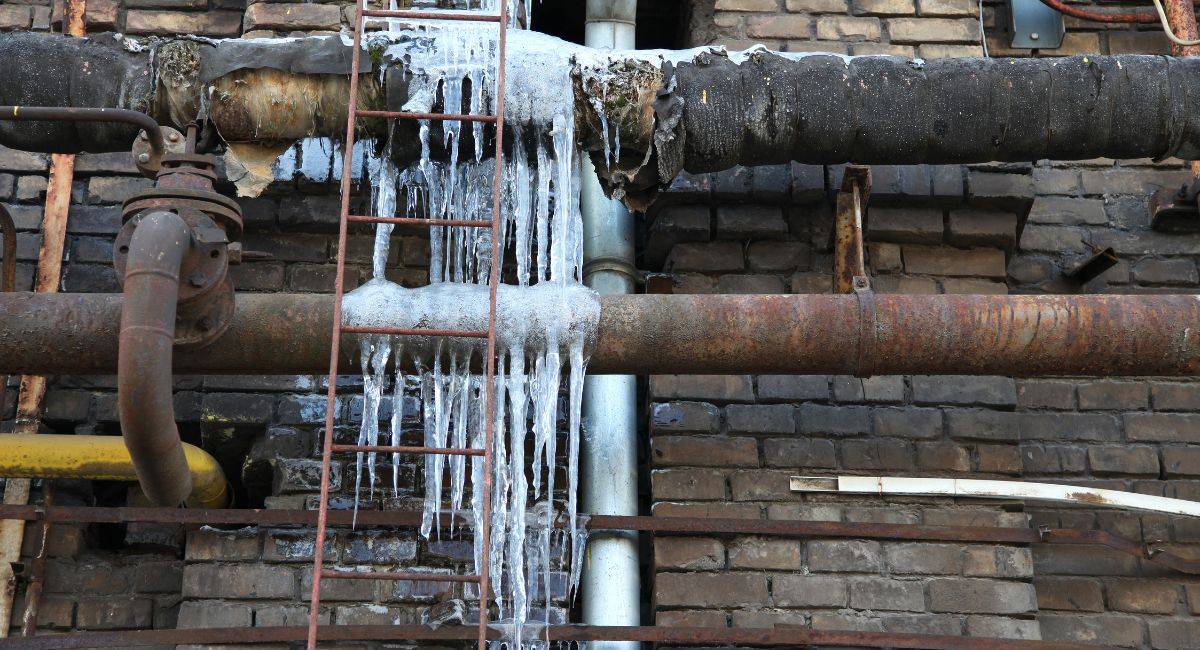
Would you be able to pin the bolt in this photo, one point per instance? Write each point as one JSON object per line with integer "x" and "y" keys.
{"x": 142, "y": 136}
{"x": 143, "y": 157}
{"x": 196, "y": 279}
{"x": 204, "y": 324}
{"x": 173, "y": 136}
{"x": 1034, "y": 36}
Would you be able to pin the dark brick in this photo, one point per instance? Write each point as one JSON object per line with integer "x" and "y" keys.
{"x": 745, "y": 418}
{"x": 91, "y": 278}
{"x": 114, "y": 613}
{"x": 979, "y": 596}
{"x": 883, "y": 388}
{"x": 1053, "y": 459}
{"x": 809, "y": 591}
{"x": 808, "y": 183}
{"x": 1069, "y": 426}
{"x": 908, "y": 422}
{"x": 847, "y": 389}
{"x": 1113, "y": 395}
{"x": 303, "y": 475}
{"x": 951, "y": 389}
{"x": 998, "y": 562}
{"x": 887, "y": 594}
{"x": 1165, "y": 272}
{"x": 898, "y": 180}
{"x": 1175, "y": 397}
{"x": 214, "y": 613}
{"x": 976, "y": 424}
{"x": 970, "y": 227}
{"x": 698, "y": 589}
{"x": 834, "y": 420}
{"x": 760, "y": 485}
{"x": 793, "y": 387}
{"x": 1144, "y": 597}
{"x": 750, "y": 284}
{"x": 1112, "y": 629}
{"x": 676, "y": 224}
{"x": 1163, "y": 427}
{"x": 844, "y": 556}
{"x": 1181, "y": 461}
{"x": 696, "y": 484}
{"x": 257, "y": 276}
{"x": 1073, "y": 594}
{"x": 905, "y": 225}
{"x": 765, "y": 553}
{"x": 241, "y": 581}
{"x": 924, "y": 558}
{"x": 1082, "y": 561}
{"x": 707, "y": 257}
{"x": 172, "y": 23}
{"x": 1176, "y": 634}
{"x": 778, "y": 256}
{"x": 943, "y": 456}
{"x": 1068, "y": 211}
{"x": 799, "y": 453}
{"x": 704, "y": 451}
{"x": 67, "y": 405}
{"x": 987, "y": 185}
{"x": 211, "y": 544}
{"x": 682, "y": 417}
{"x": 238, "y": 408}
{"x": 722, "y": 388}
{"x": 689, "y": 553}
{"x": 1123, "y": 460}
{"x": 877, "y": 454}
{"x": 1037, "y": 394}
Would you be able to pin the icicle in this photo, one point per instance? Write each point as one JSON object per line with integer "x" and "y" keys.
{"x": 397, "y": 415}
{"x": 575, "y": 406}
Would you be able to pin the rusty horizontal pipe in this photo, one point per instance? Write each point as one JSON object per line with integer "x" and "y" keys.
{"x": 1022, "y": 336}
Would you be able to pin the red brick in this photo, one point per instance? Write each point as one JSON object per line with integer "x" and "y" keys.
{"x": 293, "y": 16}
{"x": 691, "y": 553}
{"x": 706, "y": 590}
{"x": 704, "y": 451}
{"x": 173, "y": 23}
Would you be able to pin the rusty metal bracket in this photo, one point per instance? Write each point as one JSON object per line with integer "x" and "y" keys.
{"x": 1175, "y": 210}
{"x": 1091, "y": 268}
{"x": 849, "y": 260}
{"x": 864, "y": 363}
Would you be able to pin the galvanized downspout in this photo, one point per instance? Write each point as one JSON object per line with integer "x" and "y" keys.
{"x": 147, "y": 339}
{"x": 611, "y": 582}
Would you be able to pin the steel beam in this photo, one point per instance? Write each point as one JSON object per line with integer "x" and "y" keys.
{"x": 1022, "y": 336}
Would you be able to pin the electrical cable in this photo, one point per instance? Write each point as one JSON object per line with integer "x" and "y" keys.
{"x": 1166, "y": 25}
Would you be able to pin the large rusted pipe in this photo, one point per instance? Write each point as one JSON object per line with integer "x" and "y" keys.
{"x": 144, "y": 369}
{"x": 1098, "y": 335}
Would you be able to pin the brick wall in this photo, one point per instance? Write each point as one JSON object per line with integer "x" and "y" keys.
{"x": 718, "y": 446}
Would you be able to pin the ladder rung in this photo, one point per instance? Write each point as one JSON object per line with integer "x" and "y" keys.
{"x": 447, "y": 117}
{"x": 431, "y": 15}
{"x": 398, "y": 331}
{"x": 412, "y": 221}
{"x": 384, "y": 449}
{"x": 398, "y": 575}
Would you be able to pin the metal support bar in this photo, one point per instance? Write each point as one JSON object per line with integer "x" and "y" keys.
{"x": 849, "y": 261}
{"x": 669, "y": 525}
{"x": 718, "y": 636}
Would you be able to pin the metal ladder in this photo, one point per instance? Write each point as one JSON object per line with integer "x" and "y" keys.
{"x": 482, "y": 579}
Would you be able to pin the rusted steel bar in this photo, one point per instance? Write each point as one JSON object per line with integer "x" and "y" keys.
{"x": 8, "y": 234}
{"x": 849, "y": 260}
{"x": 1181, "y": 16}
{"x": 1023, "y": 336}
{"x": 79, "y": 114}
{"x": 676, "y": 525}
{"x": 1136, "y": 17}
{"x": 723, "y": 636}
{"x": 37, "y": 569}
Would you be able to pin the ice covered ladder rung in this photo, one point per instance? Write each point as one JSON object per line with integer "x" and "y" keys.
{"x": 338, "y": 329}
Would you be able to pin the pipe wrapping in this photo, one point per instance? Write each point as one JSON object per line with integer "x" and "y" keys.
{"x": 1015, "y": 335}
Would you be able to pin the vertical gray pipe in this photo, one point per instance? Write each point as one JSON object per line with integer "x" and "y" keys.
{"x": 611, "y": 582}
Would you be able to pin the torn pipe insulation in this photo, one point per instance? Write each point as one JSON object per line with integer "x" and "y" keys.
{"x": 659, "y": 111}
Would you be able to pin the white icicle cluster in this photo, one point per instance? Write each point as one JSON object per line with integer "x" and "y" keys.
{"x": 546, "y": 321}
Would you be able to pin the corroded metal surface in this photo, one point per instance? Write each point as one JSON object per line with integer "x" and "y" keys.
{"x": 849, "y": 262}
{"x": 1025, "y": 336}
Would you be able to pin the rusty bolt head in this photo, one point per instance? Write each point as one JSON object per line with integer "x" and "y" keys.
{"x": 196, "y": 279}
{"x": 173, "y": 136}
{"x": 204, "y": 324}
{"x": 143, "y": 158}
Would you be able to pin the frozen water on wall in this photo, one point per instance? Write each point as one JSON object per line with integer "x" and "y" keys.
{"x": 546, "y": 319}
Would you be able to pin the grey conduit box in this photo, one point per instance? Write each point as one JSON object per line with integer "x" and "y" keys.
{"x": 1034, "y": 25}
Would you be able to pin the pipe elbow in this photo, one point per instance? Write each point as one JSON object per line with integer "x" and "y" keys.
{"x": 104, "y": 458}
{"x": 144, "y": 359}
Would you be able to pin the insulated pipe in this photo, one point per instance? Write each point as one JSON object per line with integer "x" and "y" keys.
{"x": 1014, "y": 335}
{"x": 104, "y": 458}
{"x": 611, "y": 581}
{"x": 144, "y": 369}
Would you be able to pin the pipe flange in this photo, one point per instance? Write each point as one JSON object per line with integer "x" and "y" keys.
{"x": 204, "y": 268}
{"x": 148, "y": 162}
{"x": 222, "y": 209}
{"x": 201, "y": 322}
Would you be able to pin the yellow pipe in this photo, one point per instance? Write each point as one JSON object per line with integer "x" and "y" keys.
{"x": 102, "y": 458}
